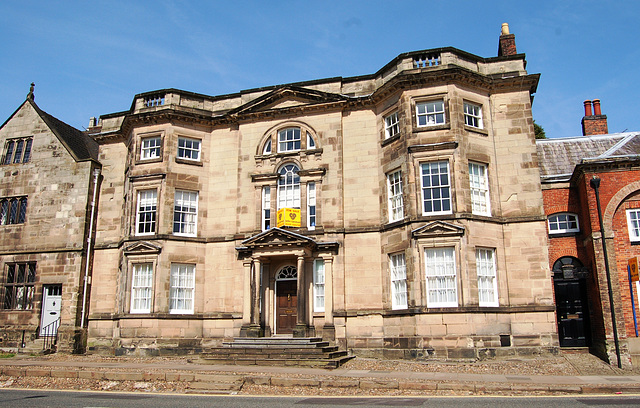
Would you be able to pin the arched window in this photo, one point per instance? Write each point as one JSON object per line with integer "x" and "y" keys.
{"x": 289, "y": 187}
{"x": 563, "y": 222}
{"x": 289, "y": 272}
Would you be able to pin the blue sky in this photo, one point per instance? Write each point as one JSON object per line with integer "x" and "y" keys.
{"x": 90, "y": 58}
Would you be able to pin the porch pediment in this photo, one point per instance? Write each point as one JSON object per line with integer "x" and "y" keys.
{"x": 287, "y": 97}
{"x": 438, "y": 229}
{"x": 278, "y": 237}
{"x": 142, "y": 248}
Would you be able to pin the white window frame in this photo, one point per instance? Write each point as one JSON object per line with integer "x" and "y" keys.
{"x": 289, "y": 186}
{"x": 186, "y": 206}
{"x": 149, "y": 150}
{"x": 441, "y": 277}
{"x": 436, "y": 193}
{"x": 318, "y": 285}
{"x": 189, "y": 148}
{"x": 479, "y": 189}
{"x": 182, "y": 288}
{"x": 398, "y": 274}
{"x": 395, "y": 196}
{"x": 633, "y": 223}
{"x": 312, "y": 215}
{"x": 311, "y": 143}
{"x": 430, "y": 113}
{"x": 556, "y": 221}
{"x": 141, "y": 288}
{"x": 266, "y": 208}
{"x": 267, "y": 147}
{"x": 473, "y": 115}
{"x": 289, "y": 139}
{"x": 487, "y": 277}
{"x": 391, "y": 125}
{"x": 147, "y": 205}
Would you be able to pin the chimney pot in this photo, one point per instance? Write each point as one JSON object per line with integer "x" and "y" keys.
{"x": 507, "y": 42}
{"x": 594, "y": 123}
{"x": 587, "y": 108}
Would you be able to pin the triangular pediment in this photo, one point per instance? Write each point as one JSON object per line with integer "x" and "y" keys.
{"x": 438, "y": 229}
{"x": 142, "y": 248}
{"x": 288, "y": 97}
{"x": 278, "y": 237}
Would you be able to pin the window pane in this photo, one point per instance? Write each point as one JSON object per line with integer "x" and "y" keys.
{"x": 147, "y": 206}
{"x": 398, "y": 271}
{"x": 18, "y": 154}
{"x": 289, "y": 187}
{"x": 185, "y": 213}
{"x": 27, "y": 151}
{"x": 435, "y": 187}
{"x": 182, "y": 288}
{"x": 441, "y": 282}
{"x": 8, "y": 155}
{"x": 487, "y": 282}
{"x": 318, "y": 285}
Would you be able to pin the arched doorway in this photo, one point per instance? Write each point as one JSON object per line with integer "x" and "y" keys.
{"x": 572, "y": 313}
{"x": 286, "y": 299}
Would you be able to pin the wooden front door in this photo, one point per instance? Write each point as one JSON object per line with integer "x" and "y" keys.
{"x": 572, "y": 313}
{"x": 286, "y": 306}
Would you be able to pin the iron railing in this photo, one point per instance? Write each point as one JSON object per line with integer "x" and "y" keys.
{"x": 50, "y": 335}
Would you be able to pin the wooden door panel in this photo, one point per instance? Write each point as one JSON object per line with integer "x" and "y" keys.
{"x": 286, "y": 306}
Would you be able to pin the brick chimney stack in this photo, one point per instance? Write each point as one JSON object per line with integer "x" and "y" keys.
{"x": 507, "y": 43}
{"x": 594, "y": 123}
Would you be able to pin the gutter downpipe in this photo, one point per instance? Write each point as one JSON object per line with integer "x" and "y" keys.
{"x": 595, "y": 184}
{"x": 96, "y": 174}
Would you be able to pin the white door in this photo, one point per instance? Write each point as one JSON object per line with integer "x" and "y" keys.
{"x": 51, "y": 302}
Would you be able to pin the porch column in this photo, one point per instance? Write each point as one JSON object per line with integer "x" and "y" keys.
{"x": 255, "y": 292}
{"x": 301, "y": 323}
{"x": 246, "y": 293}
{"x": 329, "y": 329}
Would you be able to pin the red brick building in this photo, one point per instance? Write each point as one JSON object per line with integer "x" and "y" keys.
{"x": 575, "y": 173}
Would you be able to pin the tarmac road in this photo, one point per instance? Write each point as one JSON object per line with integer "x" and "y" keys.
{"x": 70, "y": 399}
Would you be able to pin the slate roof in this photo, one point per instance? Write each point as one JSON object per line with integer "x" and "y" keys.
{"x": 81, "y": 146}
{"x": 559, "y": 157}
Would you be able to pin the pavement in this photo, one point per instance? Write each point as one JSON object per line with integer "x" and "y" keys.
{"x": 190, "y": 376}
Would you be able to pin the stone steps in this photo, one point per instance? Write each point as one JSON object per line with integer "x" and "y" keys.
{"x": 277, "y": 351}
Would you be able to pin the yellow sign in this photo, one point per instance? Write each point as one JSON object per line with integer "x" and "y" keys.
{"x": 633, "y": 266}
{"x": 288, "y": 217}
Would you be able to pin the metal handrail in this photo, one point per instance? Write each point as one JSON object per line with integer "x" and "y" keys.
{"x": 50, "y": 335}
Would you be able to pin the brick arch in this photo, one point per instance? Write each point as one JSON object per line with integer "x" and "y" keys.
{"x": 616, "y": 201}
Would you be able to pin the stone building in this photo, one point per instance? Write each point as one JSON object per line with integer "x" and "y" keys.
{"x": 48, "y": 173}
{"x": 398, "y": 214}
{"x": 571, "y": 169}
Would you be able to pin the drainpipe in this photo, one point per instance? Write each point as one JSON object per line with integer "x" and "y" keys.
{"x": 96, "y": 175}
{"x": 595, "y": 184}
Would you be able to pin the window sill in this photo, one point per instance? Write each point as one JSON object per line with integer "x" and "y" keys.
{"x": 564, "y": 234}
{"x": 390, "y": 140}
{"x": 190, "y": 162}
{"x": 479, "y": 131}
{"x": 444, "y": 126}
{"x": 146, "y": 161}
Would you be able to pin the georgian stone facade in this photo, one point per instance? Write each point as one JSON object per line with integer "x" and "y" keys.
{"x": 417, "y": 191}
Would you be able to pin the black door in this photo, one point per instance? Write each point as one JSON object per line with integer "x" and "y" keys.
{"x": 572, "y": 313}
